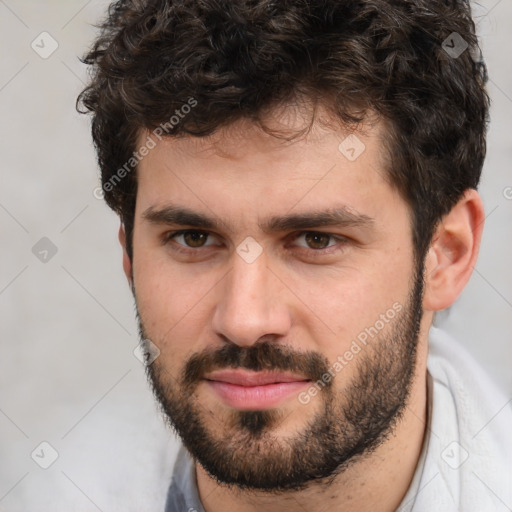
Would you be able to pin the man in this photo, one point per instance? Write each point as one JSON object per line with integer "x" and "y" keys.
{"x": 296, "y": 183}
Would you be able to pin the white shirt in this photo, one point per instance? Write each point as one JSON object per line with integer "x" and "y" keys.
{"x": 466, "y": 464}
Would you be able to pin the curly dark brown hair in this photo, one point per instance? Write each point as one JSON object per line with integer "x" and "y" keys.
{"x": 240, "y": 59}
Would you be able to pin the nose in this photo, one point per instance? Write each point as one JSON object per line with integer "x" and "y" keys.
{"x": 251, "y": 304}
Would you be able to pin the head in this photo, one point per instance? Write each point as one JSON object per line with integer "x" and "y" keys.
{"x": 295, "y": 182}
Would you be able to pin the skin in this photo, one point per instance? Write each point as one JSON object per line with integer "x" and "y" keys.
{"x": 319, "y": 300}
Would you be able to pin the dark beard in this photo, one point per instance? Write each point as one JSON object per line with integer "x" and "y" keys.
{"x": 353, "y": 422}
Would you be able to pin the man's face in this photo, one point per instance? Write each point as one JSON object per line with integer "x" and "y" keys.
{"x": 278, "y": 282}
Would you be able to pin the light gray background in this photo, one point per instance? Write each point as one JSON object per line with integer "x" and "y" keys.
{"x": 67, "y": 370}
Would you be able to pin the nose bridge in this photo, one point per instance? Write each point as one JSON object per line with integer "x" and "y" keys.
{"x": 250, "y": 303}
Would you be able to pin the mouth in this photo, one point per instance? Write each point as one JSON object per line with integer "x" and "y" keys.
{"x": 248, "y": 390}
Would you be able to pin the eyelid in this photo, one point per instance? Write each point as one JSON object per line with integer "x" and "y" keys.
{"x": 339, "y": 238}
{"x": 172, "y": 235}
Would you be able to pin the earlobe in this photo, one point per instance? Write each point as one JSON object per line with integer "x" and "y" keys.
{"x": 127, "y": 264}
{"x": 453, "y": 252}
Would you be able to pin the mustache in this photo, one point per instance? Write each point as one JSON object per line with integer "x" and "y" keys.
{"x": 264, "y": 356}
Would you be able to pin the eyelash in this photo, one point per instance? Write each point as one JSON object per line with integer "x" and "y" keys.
{"x": 170, "y": 236}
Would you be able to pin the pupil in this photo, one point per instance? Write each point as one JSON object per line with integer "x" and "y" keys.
{"x": 317, "y": 240}
{"x": 195, "y": 239}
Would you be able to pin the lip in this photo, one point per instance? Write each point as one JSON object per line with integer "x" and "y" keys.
{"x": 244, "y": 390}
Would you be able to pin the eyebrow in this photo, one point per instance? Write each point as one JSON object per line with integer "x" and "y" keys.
{"x": 339, "y": 217}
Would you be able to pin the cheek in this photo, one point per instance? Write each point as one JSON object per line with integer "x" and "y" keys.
{"x": 350, "y": 308}
{"x": 346, "y": 301}
{"x": 172, "y": 305}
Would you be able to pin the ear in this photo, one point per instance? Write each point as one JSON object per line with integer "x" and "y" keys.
{"x": 127, "y": 264}
{"x": 453, "y": 253}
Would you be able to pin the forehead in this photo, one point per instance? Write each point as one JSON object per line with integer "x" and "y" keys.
{"x": 241, "y": 170}
{"x": 300, "y": 124}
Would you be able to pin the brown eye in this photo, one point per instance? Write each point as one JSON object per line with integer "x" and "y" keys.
{"x": 195, "y": 238}
{"x": 317, "y": 240}
{"x": 192, "y": 238}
